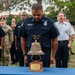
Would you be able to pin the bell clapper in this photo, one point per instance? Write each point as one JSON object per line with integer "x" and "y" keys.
{"x": 36, "y": 57}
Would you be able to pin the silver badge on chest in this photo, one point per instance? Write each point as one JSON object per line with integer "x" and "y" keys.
{"x": 29, "y": 24}
{"x": 45, "y": 23}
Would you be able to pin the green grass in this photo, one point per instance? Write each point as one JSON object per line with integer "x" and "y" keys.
{"x": 72, "y": 57}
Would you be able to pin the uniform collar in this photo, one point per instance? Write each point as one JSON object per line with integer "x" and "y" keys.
{"x": 65, "y": 23}
{"x": 33, "y": 19}
{"x": 42, "y": 19}
{"x": 62, "y": 22}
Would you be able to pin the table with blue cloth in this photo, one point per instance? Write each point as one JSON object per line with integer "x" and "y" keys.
{"x": 14, "y": 70}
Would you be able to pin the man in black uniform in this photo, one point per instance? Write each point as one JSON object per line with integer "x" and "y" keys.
{"x": 17, "y": 39}
{"x": 38, "y": 24}
{"x": 2, "y": 34}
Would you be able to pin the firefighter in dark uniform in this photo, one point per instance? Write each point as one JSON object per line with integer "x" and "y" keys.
{"x": 2, "y": 34}
{"x": 38, "y": 24}
{"x": 17, "y": 39}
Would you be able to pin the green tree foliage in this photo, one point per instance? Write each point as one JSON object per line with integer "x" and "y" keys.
{"x": 70, "y": 11}
{"x": 18, "y": 19}
{"x": 9, "y": 19}
{"x": 6, "y": 4}
{"x": 68, "y": 6}
{"x": 53, "y": 15}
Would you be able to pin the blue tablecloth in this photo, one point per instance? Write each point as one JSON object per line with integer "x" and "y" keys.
{"x": 9, "y": 70}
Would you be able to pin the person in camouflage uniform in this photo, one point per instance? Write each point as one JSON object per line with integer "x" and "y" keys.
{"x": 2, "y": 37}
{"x": 7, "y": 43}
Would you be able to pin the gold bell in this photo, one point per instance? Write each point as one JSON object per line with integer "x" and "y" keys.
{"x": 35, "y": 49}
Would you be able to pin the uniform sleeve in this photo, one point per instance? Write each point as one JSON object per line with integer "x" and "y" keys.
{"x": 20, "y": 31}
{"x": 71, "y": 30}
{"x": 2, "y": 33}
{"x": 54, "y": 32}
{"x": 10, "y": 33}
{"x": 23, "y": 31}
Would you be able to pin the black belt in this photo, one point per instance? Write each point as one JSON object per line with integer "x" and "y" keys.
{"x": 63, "y": 41}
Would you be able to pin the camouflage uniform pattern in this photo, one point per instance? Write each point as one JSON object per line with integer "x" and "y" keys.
{"x": 8, "y": 41}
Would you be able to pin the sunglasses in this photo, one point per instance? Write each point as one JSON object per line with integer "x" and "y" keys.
{"x": 2, "y": 18}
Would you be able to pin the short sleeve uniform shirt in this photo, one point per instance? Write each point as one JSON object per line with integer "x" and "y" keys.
{"x": 44, "y": 28}
{"x": 65, "y": 29}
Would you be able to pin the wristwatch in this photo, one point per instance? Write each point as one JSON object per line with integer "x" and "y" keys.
{"x": 70, "y": 42}
{"x": 24, "y": 54}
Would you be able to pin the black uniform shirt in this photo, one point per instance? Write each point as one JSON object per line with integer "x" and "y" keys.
{"x": 2, "y": 33}
{"x": 17, "y": 32}
{"x": 44, "y": 28}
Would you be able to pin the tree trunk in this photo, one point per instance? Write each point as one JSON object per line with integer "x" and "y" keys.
{"x": 39, "y": 1}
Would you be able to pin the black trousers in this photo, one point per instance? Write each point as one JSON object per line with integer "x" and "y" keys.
{"x": 20, "y": 57}
{"x": 44, "y": 58}
{"x": 13, "y": 53}
{"x": 20, "y": 54}
{"x": 0, "y": 54}
{"x": 62, "y": 54}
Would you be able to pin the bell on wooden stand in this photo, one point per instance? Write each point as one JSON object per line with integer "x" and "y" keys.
{"x": 36, "y": 50}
